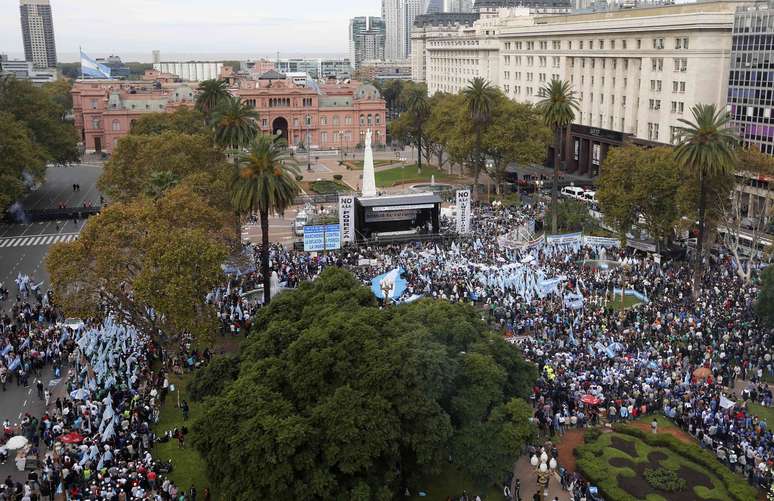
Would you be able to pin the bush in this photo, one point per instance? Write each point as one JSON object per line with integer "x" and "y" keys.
{"x": 299, "y": 177}
{"x": 665, "y": 480}
{"x": 211, "y": 380}
{"x": 338, "y": 177}
{"x": 591, "y": 435}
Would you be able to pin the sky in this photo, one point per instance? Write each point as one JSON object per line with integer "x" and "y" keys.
{"x": 193, "y": 27}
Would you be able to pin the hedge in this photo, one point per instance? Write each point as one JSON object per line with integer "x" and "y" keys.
{"x": 736, "y": 486}
{"x": 589, "y": 466}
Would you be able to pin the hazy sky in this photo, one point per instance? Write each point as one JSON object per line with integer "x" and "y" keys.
{"x": 193, "y": 26}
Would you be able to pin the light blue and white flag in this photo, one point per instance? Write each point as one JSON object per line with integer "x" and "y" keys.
{"x": 92, "y": 69}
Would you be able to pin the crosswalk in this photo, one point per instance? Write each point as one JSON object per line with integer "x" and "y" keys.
{"x": 35, "y": 240}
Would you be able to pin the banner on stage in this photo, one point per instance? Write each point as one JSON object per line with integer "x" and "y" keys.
{"x": 347, "y": 218}
{"x": 463, "y": 211}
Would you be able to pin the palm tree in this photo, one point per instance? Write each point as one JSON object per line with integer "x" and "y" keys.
{"x": 267, "y": 184}
{"x": 558, "y": 107}
{"x": 211, "y": 92}
{"x": 235, "y": 126}
{"x": 706, "y": 148}
{"x": 480, "y": 97}
{"x": 418, "y": 108}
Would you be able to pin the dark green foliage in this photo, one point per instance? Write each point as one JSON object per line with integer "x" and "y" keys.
{"x": 665, "y": 480}
{"x": 572, "y": 215}
{"x": 212, "y": 379}
{"x": 185, "y": 120}
{"x": 338, "y": 399}
{"x": 765, "y": 304}
{"x": 591, "y": 435}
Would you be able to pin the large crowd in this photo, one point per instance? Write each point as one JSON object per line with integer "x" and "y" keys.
{"x": 700, "y": 362}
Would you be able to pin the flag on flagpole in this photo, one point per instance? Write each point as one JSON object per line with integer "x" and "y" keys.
{"x": 92, "y": 69}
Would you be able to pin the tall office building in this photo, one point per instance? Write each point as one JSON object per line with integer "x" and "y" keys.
{"x": 750, "y": 97}
{"x": 366, "y": 39}
{"x": 464, "y": 6}
{"x": 399, "y": 18}
{"x": 38, "y": 32}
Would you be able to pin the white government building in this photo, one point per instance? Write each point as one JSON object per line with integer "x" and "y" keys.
{"x": 635, "y": 71}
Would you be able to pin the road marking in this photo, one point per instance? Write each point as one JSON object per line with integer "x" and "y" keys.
{"x": 16, "y": 242}
{"x": 24, "y": 404}
{"x": 35, "y": 241}
{"x": 47, "y": 240}
{"x": 4, "y": 243}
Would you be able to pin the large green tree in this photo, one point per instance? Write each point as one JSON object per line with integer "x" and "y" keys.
{"x": 765, "y": 304}
{"x": 266, "y": 184}
{"x": 558, "y": 105}
{"x": 128, "y": 172}
{"x": 516, "y": 135}
{"x": 42, "y": 114}
{"x": 336, "y": 398}
{"x": 643, "y": 182}
{"x": 151, "y": 261}
{"x": 450, "y": 128}
{"x": 22, "y": 161}
{"x": 480, "y": 99}
{"x": 417, "y": 113}
{"x": 185, "y": 120}
{"x": 706, "y": 149}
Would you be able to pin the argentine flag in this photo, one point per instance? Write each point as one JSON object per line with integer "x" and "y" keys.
{"x": 92, "y": 69}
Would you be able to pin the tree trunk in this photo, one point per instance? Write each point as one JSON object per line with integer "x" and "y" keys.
{"x": 555, "y": 185}
{"x": 237, "y": 225}
{"x": 697, "y": 266}
{"x": 419, "y": 153}
{"x": 265, "y": 257}
{"x": 479, "y": 166}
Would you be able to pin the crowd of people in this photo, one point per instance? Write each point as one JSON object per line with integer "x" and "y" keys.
{"x": 698, "y": 360}
{"x": 701, "y": 361}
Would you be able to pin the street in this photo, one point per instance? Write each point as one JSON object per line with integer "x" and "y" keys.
{"x": 24, "y": 246}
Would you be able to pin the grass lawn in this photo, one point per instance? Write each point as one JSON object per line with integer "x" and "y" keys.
{"x": 327, "y": 187}
{"x": 451, "y": 482}
{"x": 766, "y": 413}
{"x": 629, "y": 301}
{"x": 358, "y": 164}
{"x": 409, "y": 174}
{"x": 188, "y": 467}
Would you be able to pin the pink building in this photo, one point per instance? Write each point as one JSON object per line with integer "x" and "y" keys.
{"x": 105, "y": 109}
{"x": 326, "y": 116}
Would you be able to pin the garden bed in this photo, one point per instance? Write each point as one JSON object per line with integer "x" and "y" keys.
{"x": 627, "y": 463}
{"x": 358, "y": 164}
{"x": 327, "y": 187}
{"x": 409, "y": 175}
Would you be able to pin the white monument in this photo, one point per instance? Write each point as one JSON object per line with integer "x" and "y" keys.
{"x": 369, "y": 178}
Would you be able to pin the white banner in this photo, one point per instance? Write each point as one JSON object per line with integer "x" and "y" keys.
{"x": 463, "y": 211}
{"x": 568, "y": 238}
{"x": 347, "y": 219}
{"x": 603, "y": 241}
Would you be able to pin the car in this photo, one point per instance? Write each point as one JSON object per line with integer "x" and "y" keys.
{"x": 589, "y": 196}
{"x": 299, "y": 222}
{"x": 572, "y": 192}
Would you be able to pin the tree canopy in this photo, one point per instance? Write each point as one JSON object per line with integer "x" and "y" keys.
{"x": 765, "y": 304}
{"x": 336, "y": 398}
{"x": 129, "y": 171}
{"x": 185, "y": 120}
{"x": 33, "y": 132}
{"x": 150, "y": 260}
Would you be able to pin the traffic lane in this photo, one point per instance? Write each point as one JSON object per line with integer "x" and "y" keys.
{"x": 42, "y": 228}
{"x": 27, "y": 261}
{"x": 58, "y": 188}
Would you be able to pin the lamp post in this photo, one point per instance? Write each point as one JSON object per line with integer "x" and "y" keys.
{"x": 543, "y": 468}
{"x": 308, "y": 142}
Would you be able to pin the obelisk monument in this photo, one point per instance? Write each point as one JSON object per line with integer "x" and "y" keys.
{"x": 369, "y": 178}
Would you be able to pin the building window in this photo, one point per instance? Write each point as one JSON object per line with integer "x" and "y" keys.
{"x": 348, "y": 120}
{"x": 93, "y": 104}
{"x": 681, "y": 64}
{"x": 95, "y": 123}
{"x": 335, "y": 121}
{"x": 116, "y": 125}
{"x": 323, "y": 120}
{"x": 652, "y": 131}
{"x": 323, "y": 138}
{"x": 378, "y": 119}
{"x": 658, "y": 43}
{"x": 674, "y": 134}
{"x": 264, "y": 123}
{"x": 295, "y": 122}
{"x": 362, "y": 119}
{"x": 308, "y": 120}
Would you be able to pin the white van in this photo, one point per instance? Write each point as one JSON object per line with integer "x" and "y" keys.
{"x": 299, "y": 223}
{"x": 572, "y": 192}
{"x": 589, "y": 196}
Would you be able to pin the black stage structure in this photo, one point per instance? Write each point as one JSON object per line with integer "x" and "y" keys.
{"x": 397, "y": 215}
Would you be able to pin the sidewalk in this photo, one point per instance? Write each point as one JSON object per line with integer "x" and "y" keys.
{"x": 528, "y": 478}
